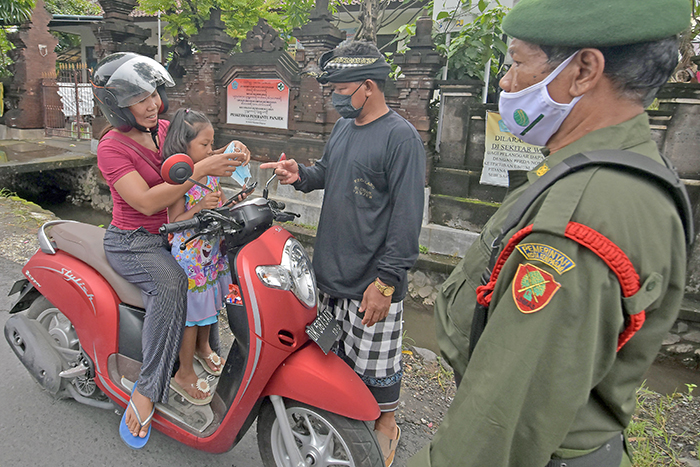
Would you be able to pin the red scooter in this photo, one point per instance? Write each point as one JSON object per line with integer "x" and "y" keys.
{"x": 79, "y": 335}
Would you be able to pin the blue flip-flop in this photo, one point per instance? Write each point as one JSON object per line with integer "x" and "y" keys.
{"x": 135, "y": 442}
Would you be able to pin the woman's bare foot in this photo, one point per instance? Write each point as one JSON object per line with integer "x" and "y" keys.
{"x": 188, "y": 382}
{"x": 144, "y": 405}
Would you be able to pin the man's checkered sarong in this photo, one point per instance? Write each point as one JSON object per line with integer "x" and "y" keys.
{"x": 373, "y": 352}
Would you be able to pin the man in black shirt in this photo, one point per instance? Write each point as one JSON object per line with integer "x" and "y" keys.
{"x": 372, "y": 171}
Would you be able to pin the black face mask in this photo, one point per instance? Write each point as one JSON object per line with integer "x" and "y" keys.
{"x": 343, "y": 104}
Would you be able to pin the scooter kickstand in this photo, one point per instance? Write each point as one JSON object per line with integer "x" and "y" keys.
{"x": 286, "y": 429}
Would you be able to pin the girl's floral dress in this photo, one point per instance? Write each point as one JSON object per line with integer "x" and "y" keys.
{"x": 206, "y": 266}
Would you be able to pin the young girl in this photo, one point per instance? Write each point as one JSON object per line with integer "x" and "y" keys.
{"x": 206, "y": 265}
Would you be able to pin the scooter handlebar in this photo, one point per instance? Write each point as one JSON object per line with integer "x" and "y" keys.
{"x": 179, "y": 226}
{"x": 277, "y": 205}
{"x": 286, "y": 216}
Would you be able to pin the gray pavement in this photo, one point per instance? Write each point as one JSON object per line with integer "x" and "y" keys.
{"x": 39, "y": 430}
{"x": 47, "y": 153}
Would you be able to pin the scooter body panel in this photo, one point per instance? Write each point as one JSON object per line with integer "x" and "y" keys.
{"x": 285, "y": 317}
{"x": 259, "y": 370}
{"x": 83, "y": 296}
{"x": 336, "y": 387}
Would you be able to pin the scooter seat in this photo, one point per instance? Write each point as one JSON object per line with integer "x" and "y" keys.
{"x": 84, "y": 241}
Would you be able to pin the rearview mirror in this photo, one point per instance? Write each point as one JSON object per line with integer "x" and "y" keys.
{"x": 177, "y": 169}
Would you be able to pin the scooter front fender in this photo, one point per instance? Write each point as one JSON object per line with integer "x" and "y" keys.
{"x": 323, "y": 381}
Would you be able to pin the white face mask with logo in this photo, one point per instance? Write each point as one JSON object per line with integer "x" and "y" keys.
{"x": 531, "y": 114}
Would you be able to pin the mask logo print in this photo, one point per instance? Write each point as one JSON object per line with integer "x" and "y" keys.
{"x": 531, "y": 114}
{"x": 521, "y": 118}
{"x": 533, "y": 288}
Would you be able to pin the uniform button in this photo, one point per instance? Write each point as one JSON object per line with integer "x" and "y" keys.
{"x": 650, "y": 286}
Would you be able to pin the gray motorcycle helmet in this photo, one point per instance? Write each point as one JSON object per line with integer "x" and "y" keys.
{"x": 123, "y": 79}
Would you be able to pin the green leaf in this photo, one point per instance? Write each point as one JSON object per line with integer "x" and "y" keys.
{"x": 16, "y": 11}
{"x": 72, "y": 7}
{"x": 500, "y": 46}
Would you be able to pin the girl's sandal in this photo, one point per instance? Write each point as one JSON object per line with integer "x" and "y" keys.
{"x": 202, "y": 385}
{"x": 214, "y": 359}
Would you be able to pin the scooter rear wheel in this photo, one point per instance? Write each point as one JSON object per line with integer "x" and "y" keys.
{"x": 55, "y": 322}
{"x": 324, "y": 439}
{"x": 66, "y": 342}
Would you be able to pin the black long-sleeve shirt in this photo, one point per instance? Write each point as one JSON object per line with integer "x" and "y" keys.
{"x": 373, "y": 176}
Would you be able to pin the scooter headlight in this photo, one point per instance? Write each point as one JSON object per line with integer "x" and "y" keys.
{"x": 293, "y": 273}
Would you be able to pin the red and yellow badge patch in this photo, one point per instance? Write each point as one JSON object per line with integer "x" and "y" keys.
{"x": 533, "y": 288}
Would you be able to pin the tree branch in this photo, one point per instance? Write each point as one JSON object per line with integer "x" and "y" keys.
{"x": 397, "y": 12}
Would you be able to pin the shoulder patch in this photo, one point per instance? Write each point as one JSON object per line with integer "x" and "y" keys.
{"x": 543, "y": 169}
{"x": 533, "y": 288}
{"x": 547, "y": 255}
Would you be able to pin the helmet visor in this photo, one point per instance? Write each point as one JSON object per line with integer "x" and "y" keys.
{"x": 137, "y": 79}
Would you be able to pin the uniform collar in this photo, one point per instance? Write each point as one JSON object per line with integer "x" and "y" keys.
{"x": 629, "y": 134}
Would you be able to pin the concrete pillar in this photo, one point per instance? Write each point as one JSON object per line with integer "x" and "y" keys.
{"x": 682, "y": 146}
{"x": 198, "y": 88}
{"x": 118, "y": 32}
{"x": 415, "y": 86}
{"x": 314, "y": 113}
{"x": 419, "y": 67}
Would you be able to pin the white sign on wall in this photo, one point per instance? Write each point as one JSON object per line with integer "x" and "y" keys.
{"x": 505, "y": 152}
{"x": 258, "y": 102}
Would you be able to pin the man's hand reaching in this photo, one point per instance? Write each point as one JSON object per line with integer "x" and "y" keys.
{"x": 287, "y": 171}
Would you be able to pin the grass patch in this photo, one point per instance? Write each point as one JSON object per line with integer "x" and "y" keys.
{"x": 304, "y": 226}
{"x": 407, "y": 342}
{"x": 23, "y": 211}
{"x": 5, "y": 193}
{"x": 653, "y": 434}
{"x": 436, "y": 372}
{"x": 443, "y": 376}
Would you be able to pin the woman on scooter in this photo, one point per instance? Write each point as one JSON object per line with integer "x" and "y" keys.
{"x": 203, "y": 260}
{"x": 130, "y": 90}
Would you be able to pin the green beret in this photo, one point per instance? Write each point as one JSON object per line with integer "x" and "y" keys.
{"x": 596, "y": 23}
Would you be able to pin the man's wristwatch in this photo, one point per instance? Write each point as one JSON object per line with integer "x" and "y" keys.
{"x": 386, "y": 290}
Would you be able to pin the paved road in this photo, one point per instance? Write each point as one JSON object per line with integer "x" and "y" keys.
{"x": 37, "y": 430}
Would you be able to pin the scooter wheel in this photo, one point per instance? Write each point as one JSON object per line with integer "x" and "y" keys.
{"x": 352, "y": 442}
{"x": 65, "y": 340}
{"x": 55, "y": 323}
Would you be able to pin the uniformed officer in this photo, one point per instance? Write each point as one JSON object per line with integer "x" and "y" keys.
{"x": 551, "y": 381}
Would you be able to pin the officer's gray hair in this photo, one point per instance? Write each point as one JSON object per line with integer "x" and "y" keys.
{"x": 636, "y": 70}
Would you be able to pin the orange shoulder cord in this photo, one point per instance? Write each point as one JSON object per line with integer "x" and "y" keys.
{"x": 614, "y": 257}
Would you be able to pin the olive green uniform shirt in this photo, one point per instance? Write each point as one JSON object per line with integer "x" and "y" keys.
{"x": 551, "y": 382}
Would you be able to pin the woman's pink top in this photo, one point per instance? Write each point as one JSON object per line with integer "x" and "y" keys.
{"x": 116, "y": 159}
